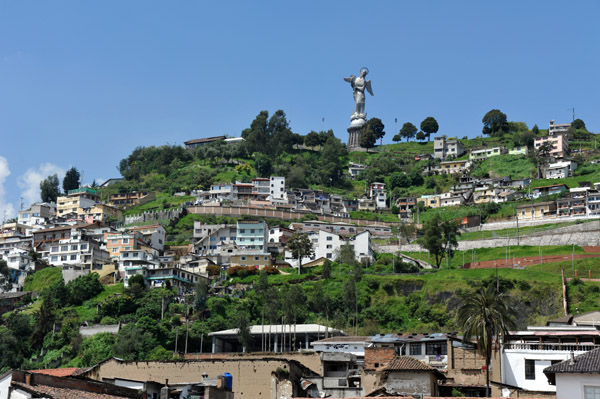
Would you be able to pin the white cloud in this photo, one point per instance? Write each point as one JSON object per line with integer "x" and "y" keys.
{"x": 5, "y": 206}
{"x": 29, "y": 182}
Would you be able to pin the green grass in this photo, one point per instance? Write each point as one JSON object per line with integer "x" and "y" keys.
{"x": 514, "y": 166}
{"x": 383, "y": 217}
{"x": 511, "y": 232}
{"x": 158, "y": 204}
{"x": 485, "y": 254}
{"x": 87, "y": 311}
{"x": 42, "y": 279}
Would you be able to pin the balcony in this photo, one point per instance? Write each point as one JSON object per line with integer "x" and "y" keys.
{"x": 555, "y": 347}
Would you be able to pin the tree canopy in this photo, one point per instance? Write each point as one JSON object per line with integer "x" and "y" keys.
{"x": 300, "y": 245}
{"x": 71, "y": 180}
{"x": 440, "y": 238}
{"x": 494, "y": 123}
{"x": 408, "y": 131}
{"x": 49, "y": 188}
{"x": 372, "y": 131}
{"x": 578, "y": 124}
{"x": 429, "y": 126}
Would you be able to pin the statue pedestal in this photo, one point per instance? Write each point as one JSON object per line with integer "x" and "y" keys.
{"x": 354, "y": 133}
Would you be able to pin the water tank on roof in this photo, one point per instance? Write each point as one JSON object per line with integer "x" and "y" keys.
{"x": 229, "y": 379}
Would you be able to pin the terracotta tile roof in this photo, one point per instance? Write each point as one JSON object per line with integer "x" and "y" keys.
{"x": 65, "y": 372}
{"x": 587, "y": 363}
{"x": 407, "y": 363}
{"x": 62, "y": 393}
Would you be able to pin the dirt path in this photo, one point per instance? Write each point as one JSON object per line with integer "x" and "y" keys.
{"x": 519, "y": 263}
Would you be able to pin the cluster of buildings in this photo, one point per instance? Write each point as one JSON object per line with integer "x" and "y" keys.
{"x": 579, "y": 201}
{"x": 558, "y": 360}
{"x": 271, "y": 193}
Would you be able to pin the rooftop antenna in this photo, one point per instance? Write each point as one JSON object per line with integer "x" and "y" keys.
{"x": 572, "y": 109}
{"x": 21, "y": 204}
{"x": 323, "y": 124}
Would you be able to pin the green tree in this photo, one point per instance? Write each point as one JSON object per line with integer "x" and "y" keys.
{"x": 372, "y": 131}
{"x": 262, "y": 163}
{"x": 535, "y": 129}
{"x": 83, "y": 288}
{"x": 242, "y": 324}
{"x": 495, "y": 123}
{"x": 408, "y": 131}
{"x": 485, "y": 315}
{"x": 398, "y": 179}
{"x": 420, "y": 136}
{"x": 333, "y": 157}
{"x": 200, "y": 296}
{"x": 345, "y": 254}
{"x": 429, "y": 126}
{"x": 326, "y": 273}
{"x": 5, "y": 277}
{"x": 300, "y": 246}
{"x": 71, "y": 180}
{"x": 312, "y": 139}
{"x": 49, "y": 189}
{"x": 578, "y": 124}
{"x": 440, "y": 238}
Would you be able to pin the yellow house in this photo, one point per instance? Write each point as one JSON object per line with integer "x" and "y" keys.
{"x": 452, "y": 167}
{"x": 541, "y": 210}
{"x": 80, "y": 198}
{"x": 260, "y": 260}
{"x": 100, "y": 212}
{"x": 431, "y": 201}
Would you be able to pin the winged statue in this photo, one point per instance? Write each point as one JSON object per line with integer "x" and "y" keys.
{"x": 359, "y": 84}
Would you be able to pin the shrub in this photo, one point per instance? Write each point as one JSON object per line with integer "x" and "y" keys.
{"x": 213, "y": 270}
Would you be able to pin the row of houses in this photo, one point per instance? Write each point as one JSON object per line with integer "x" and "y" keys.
{"x": 580, "y": 201}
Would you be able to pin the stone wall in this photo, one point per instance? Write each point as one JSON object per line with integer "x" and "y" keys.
{"x": 252, "y": 378}
{"x": 377, "y": 358}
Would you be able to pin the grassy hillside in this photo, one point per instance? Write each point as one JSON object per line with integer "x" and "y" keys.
{"x": 42, "y": 279}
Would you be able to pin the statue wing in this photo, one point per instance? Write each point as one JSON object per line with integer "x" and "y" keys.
{"x": 368, "y": 86}
{"x": 351, "y": 79}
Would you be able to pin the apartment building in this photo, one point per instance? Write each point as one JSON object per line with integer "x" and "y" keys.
{"x": 252, "y": 235}
{"x": 131, "y": 199}
{"x": 354, "y": 169}
{"x": 554, "y": 128}
{"x": 154, "y": 235}
{"x": 77, "y": 250}
{"x": 559, "y": 143}
{"x": 538, "y": 211}
{"x": 37, "y": 214}
{"x": 443, "y": 148}
{"x": 99, "y": 212}
{"x": 208, "y": 238}
{"x": 259, "y": 260}
{"x": 261, "y": 188}
{"x": 327, "y": 245}
{"x": 120, "y": 241}
{"x": 442, "y": 200}
{"x": 182, "y": 281}
{"x": 559, "y": 170}
{"x": 68, "y": 206}
{"x": 277, "y": 189}
{"x": 377, "y": 193}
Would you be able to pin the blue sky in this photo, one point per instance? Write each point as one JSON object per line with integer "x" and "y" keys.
{"x": 83, "y": 83}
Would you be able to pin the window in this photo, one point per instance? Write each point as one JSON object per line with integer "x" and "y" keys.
{"x": 251, "y": 231}
{"x": 125, "y": 240}
{"x": 329, "y": 255}
{"x": 73, "y": 247}
{"x": 83, "y": 247}
{"x": 590, "y": 392}
{"x": 73, "y": 257}
{"x": 257, "y": 258}
{"x": 242, "y": 231}
{"x": 126, "y": 254}
{"x": 243, "y": 258}
{"x": 415, "y": 349}
{"x": 329, "y": 238}
{"x": 63, "y": 258}
{"x": 54, "y": 249}
{"x": 529, "y": 369}
{"x": 54, "y": 259}
{"x": 64, "y": 248}
{"x": 115, "y": 250}
{"x": 436, "y": 348}
{"x": 329, "y": 246}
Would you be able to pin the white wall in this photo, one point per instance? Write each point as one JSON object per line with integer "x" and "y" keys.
{"x": 513, "y": 368}
{"x": 5, "y": 385}
{"x": 571, "y": 386}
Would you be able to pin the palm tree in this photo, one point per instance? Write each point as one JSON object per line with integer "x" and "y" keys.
{"x": 485, "y": 316}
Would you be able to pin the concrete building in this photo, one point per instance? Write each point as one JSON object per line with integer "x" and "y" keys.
{"x": 576, "y": 378}
{"x": 227, "y": 340}
{"x": 526, "y": 354}
{"x": 131, "y": 199}
{"x": 99, "y": 212}
{"x": 183, "y": 281}
{"x": 252, "y": 235}
{"x": 559, "y": 143}
{"x": 548, "y": 190}
{"x": 209, "y": 238}
{"x": 453, "y": 167}
{"x": 119, "y": 242}
{"x": 37, "y": 214}
{"x": 406, "y": 376}
{"x": 354, "y": 169}
{"x": 554, "y": 128}
{"x": 77, "y": 250}
{"x": 260, "y": 260}
{"x": 377, "y": 193}
{"x": 559, "y": 170}
{"x": 68, "y": 206}
{"x": 195, "y": 143}
{"x": 277, "y": 189}
{"x": 522, "y": 150}
{"x": 484, "y": 153}
{"x": 154, "y": 235}
{"x": 537, "y": 211}
{"x": 353, "y": 345}
{"x": 443, "y": 148}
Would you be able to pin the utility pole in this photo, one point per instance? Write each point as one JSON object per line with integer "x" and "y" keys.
{"x": 572, "y": 109}
{"x": 573, "y": 260}
{"x": 517, "y": 219}
{"x": 323, "y": 124}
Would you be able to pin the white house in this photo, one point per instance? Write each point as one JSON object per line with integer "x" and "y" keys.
{"x": 327, "y": 245}
{"x": 526, "y": 354}
{"x": 578, "y": 377}
{"x": 377, "y": 193}
{"x": 560, "y": 170}
{"x": 277, "y": 189}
